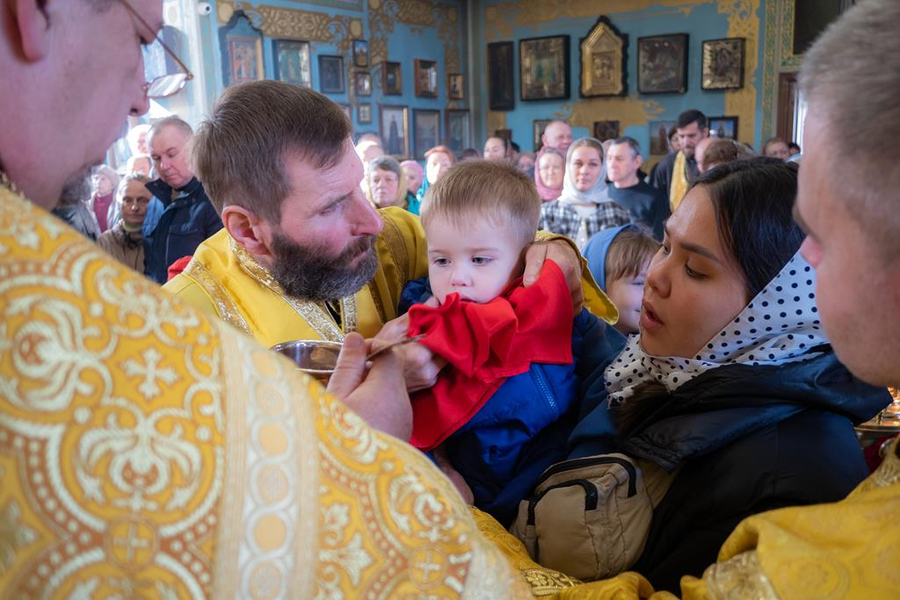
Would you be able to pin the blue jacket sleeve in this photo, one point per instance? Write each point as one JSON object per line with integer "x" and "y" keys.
{"x": 598, "y": 346}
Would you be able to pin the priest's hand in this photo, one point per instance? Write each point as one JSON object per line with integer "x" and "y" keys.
{"x": 377, "y": 394}
{"x": 564, "y": 255}
{"x": 420, "y": 365}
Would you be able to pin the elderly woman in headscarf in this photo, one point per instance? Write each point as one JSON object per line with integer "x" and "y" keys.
{"x": 123, "y": 241}
{"x": 387, "y": 183}
{"x": 103, "y": 183}
{"x": 549, "y": 170}
{"x": 438, "y": 161}
{"x": 584, "y": 208}
{"x": 415, "y": 175}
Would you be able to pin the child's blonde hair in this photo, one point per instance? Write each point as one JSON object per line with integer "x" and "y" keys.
{"x": 481, "y": 189}
{"x": 628, "y": 253}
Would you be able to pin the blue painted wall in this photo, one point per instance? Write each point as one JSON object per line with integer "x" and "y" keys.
{"x": 700, "y": 20}
{"x": 404, "y": 43}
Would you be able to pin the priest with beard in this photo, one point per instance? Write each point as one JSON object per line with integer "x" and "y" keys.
{"x": 303, "y": 254}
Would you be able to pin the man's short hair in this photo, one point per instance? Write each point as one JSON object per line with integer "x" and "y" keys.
{"x": 482, "y": 189}
{"x": 628, "y": 253}
{"x": 239, "y": 153}
{"x": 691, "y": 116}
{"x": 170, "y": 121}
{"x": 635, "y": 147}
{"x": 842, "y": 62}
{"x": 721, "y": 151}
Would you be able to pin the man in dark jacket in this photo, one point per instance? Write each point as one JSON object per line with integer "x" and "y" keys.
{"x": 180, "y": 215}
{"x": 692, "y": 127}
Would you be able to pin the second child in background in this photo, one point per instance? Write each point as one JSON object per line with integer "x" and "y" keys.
{"x": 502, "y": 410}
{"x": 618, "y": 259}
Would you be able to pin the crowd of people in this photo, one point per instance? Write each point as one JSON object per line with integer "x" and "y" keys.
{"x": 627, "y": 385}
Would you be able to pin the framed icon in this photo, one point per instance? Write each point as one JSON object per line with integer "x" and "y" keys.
{"x": 662, "y": 64}
{"x": 500, "y": 76}
{"x": 455, "y": 86}
{"x": 458, "y": 130}
{"x": 426, "y": 73}
{"x": 364, "y": 113}
{"x": 331, "y": 74}
{"x": 361, "y": 54}
{"x": 392, "y": 74}
{"x": 544, "y": 68}
{"x": 242, "y": 50}
{"x": 723, "y": 64}
{"x": 723, "y": 128}
{"x": 394, "y": 121}
{"x": 292, "y": 63}
{"x": 604, "y": 54}
{"x": 362, "y": 83}
{"x": 427, "y": 130}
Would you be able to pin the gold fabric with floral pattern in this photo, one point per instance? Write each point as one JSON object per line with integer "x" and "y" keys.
{"x": 147, "y": 451}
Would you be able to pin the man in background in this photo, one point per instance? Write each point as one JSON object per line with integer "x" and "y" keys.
{"x": 180, "y": 215}
{"x": 557, "y": 135}
{"x": 646, "y": 204}
{"x": 675, "y": 173}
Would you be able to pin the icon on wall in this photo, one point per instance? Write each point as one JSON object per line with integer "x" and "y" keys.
{"x": 292, "y": 63}
{"x": 364, "y": 113}
{"x": 393, "y": 79}
{"x": 544, "y": 68}
{"x": 500, "y": 76}
{"x": 723, "y": 64}
{"x": 455, "y": 86}
{"x": 360, "y": 53}
{"x": 363, "y": 83}
{"x": 662, "y": 64}
{"x": 242, "y": 51}
{"x": 331, "y": 74}
{"x": 426, "y": 73}
{"x": 724, "y": 128}
{"x": 394, "y": 122}
{"x": 603, "y": 61}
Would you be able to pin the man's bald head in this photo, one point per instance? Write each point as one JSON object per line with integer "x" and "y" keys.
{"x": 557, "y": 135}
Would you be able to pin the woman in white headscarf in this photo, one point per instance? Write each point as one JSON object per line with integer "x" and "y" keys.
{"x": 584, "y": 208}
{"x": 731, "y": 387}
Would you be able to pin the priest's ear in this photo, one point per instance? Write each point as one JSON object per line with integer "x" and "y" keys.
{"x": 249, "y": 230}
{"x": 30, "y": 27}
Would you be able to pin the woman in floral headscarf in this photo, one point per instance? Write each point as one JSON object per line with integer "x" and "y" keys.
{"x": 731, "y": 386}
{"x": 549, "y": 170}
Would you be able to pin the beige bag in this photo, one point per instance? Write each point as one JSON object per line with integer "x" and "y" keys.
{"x": 589, "y": 517}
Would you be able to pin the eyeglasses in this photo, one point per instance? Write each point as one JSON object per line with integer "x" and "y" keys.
{"x": 164, "y": 85}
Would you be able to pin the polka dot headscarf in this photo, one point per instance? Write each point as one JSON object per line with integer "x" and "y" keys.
{"x": 780, "y": 325}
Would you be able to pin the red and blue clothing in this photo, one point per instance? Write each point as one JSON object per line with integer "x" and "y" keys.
{"x": 505, "y": 405}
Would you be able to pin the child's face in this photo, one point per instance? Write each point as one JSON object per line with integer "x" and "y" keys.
{"x": 626, "y": 293}
{"x": 478, "y": 263}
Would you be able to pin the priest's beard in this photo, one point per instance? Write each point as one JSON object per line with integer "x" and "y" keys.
{"x": 309, "y": 274}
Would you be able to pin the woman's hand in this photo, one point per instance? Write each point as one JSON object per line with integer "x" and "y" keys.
{"x": 564, "y": 255}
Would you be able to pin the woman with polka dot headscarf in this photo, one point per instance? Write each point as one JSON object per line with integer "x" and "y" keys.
{"x": 731, "y": 384}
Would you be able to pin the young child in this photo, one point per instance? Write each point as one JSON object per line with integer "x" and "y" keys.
{"x": 618, "y": 259}
{"x": 502, "y": 410}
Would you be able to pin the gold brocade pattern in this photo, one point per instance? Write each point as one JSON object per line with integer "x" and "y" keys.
{"x": 224, "y": 304}
{"x": 147, "y": 451}
{"x": 739, "y": 577}
{"x": 314, "y": 313}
